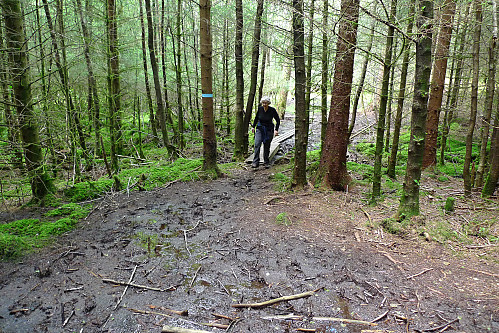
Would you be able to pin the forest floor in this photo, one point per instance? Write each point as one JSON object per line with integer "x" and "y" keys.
{"x": 191, "y": 251}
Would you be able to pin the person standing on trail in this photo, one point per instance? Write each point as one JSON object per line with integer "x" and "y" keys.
{"x": 263, "y": 128}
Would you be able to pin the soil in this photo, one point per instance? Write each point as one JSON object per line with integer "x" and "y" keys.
{"x": 202, "y": 247}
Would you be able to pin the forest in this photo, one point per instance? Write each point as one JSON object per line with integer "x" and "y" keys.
{"x": 100, "y": 95}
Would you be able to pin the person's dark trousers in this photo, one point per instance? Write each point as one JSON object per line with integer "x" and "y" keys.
{"x": 266, "y": 146}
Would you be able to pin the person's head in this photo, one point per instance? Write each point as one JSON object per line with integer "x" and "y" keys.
{"x": 265, "y": 101}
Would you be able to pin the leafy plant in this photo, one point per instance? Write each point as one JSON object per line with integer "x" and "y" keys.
{"x": 283, "y": 219}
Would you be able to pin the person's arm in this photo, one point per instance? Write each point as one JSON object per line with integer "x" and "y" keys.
{"x": 277, "y": 122}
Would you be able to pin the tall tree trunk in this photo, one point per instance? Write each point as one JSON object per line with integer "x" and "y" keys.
{"x": 467, "y": 177}
{"x": 157, "y": 84}
{"x": 409, "y": 201}
{"x": 363, "y": 73}
{"x": 44, "y": 89}
{"x": 493, "y": 174}
{"x": 456, "y": 85}
{"x": 72, "y": 115}
{"x": 162, "y": 27}
{"x": 389, "y": 106}
{"x": 152, "y": 119}
{"x": 437, "y": 84}
{"x": 385, "y": 85}
{"x": 333, "y": 164}
{"x": 95, "y": 104}
{"x": 209, "y": 139}
{"x": 262, "y": 74}
{"x": 283, "y": 94}
{"x": 239, "y": 131}
{"x": 301, "y": 110}
{"x": 392, "y": 162}
{"x": 178, "y": 76}
{"x": 324, "y": 72}
{"x": 225, "y": 85}
{"x": 489, "y": 100}
{"x": 13, "y": 137}
{"x": 254, "y": 73}
{"x": 17, "y": 52}
{"x": 308, "y": 75}
{"x": 113, "y": 83}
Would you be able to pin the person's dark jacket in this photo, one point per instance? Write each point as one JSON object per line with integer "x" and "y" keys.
{"x": 265, "y": 118}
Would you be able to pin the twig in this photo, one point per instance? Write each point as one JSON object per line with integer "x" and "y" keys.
{"x": 483, "y": 272}
{"x": 380, "y": 317}
{"x": 130, "y": 280}
{"x": 149, "y": 312}
{"x": 276, "y": 300}
{"x": 216, "y": 325}
{"x": 138, "y": 285}
{"x": 224, "y": 316}
{"x": 344, "y": 320}
{"x": 441, "y": 326}
{"x": 368, "y": 216}
{"x": 290, "y": 316}
{"x": 73, "y": 289}
{"x": 185, "y": 237}
{"x": 195, "y": 276}
{"x": 171, "y": 329}
{"x": 67, "y": 319}
{"x": 420, "y": 273}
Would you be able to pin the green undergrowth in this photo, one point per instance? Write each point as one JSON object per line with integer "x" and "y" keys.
{"x": 21, "y": 236}
{"x": 145, "y": 178}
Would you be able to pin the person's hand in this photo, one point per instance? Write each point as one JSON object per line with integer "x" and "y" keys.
{"x": 276, "y": 132}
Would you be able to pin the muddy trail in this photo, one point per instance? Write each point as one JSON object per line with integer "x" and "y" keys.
{"x": 190, "y": 252}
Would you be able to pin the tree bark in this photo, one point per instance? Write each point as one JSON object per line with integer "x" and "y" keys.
{"x": 157, "y": 84}
{"x": 409, "y": 201}
{"x": 385, "y": 85}
{"x": 362, "y": 79}
{"x": 152, "y": 119}
{"x": 239, "y": 131}
{"x": 178, "y": 76}
{"x": 456, "y": 86}
{"x": 467, "y": 176}
{"x": 15, "y": 37}
{"x": 489, "y": 100}
{"x": 95, "y": 104}
{"x": 113, "y": 83}
{"x": 332, "y": 170}
{"x": 392, "y": 162}
{"x": 324, "y": 72}
{"x": 209, "y": 139}
{"x": 438, "y": 83}
{"x": 308, "y": 87}
{"x": 493, "y": 175}
{"x": 301, "y": 110}
{"x": 254, "y": 73}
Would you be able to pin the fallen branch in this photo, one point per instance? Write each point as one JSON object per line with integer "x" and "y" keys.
{"x": 67, "y": 319}
{"x": 483, "y": 272}
{"x": 183, "y": 313}
{"x": 171, "y": 329}
{"x": 149, "y": 312}
{"x": 130, "y": 280}
{"x": 344, "y": 320}
{"x": 368, "y": 217}
{"x": 441, "y": 327}
{"x": 216, "y": 325}
{"x": 420, "y": 273}
{"x": 380, "y": 317}
{"x": 276, "y": 300}
{"x": 290, "y": 316}
{"x": 137, "y": 285}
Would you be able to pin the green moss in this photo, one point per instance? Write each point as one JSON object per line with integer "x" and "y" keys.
{"x": 20, "y": 236}
{"x": 283, "y": 219}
